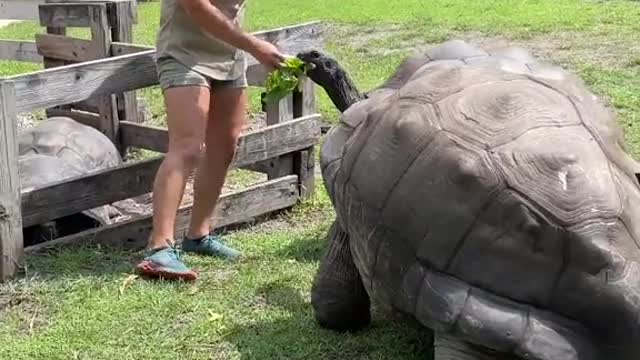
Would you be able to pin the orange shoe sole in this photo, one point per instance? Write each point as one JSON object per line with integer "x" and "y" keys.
{"x": 148, "y": 269}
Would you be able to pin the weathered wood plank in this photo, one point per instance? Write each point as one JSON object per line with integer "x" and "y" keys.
{"x": 107, "y": 186}
{"x": 78, "y": 82}
{"x": 232, "y": 208}
{"x": 277, "y": 113}
{"x": 155, "y": 139}
{"x": 18, "y": 50}
{"x": 125, "y": 14}
{"x": 111, "y": 7}
{"x": 49, "y": 62}
{"x": 304, "y": 103}
{"x": 87, "y": 191}
{"x": 19, "y": 9}
{"x": 304, "y": 163}
{"x": 120, "y": 48}
{"x": 65, "y": 48}
{"x": 293, "y": 39}
{"x": 90, "y": 105}
{"x": 11, "y": 242}
{"x": 101, "y": 38}
{"x": 52, "y": 62}
{"x": 83, "y": 117}
{"x": 62, "y": 6}
{"x": 122, "y": 31}
{"x": 28, "y": 9}
{"x": 268, "y": 142}
{"x": 148, "y": 137}
{"x": 27, "y": 51}
{"x": 67, "y": 15}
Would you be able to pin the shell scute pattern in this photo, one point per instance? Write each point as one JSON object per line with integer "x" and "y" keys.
{"x": 489, "y": 183}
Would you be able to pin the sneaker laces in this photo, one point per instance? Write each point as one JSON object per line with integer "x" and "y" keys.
{"x": 176, "y": 249}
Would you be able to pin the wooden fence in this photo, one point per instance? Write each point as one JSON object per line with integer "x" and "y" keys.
{"x": 110, "y": 24}
{"x": 102, "y": 69}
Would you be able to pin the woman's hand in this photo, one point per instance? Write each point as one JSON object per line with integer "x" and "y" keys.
{"x": 267, "y": 54}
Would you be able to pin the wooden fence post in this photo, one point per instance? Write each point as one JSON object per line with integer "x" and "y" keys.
{"x": 101, "y": 36}
{"x": 11, "y": 242}
{"x": 49, "y": 63}
{"x": 109, "y": 21}
{"x": 304, "y": 103}
{"x": 301, "y": 163}
{"x": 124, "y": 16}
{"x": 276, "y": 113}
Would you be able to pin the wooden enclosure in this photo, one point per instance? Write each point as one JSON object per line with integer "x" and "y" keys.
{"x": 94, "y": 82}
{"x": 111, "y": 27}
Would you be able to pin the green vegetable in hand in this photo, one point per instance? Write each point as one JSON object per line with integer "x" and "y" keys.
{"x": 283, "y": 81}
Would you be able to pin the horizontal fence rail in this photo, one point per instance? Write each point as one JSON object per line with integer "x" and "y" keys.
{"x": 232, "y": 208}
{"x": 92, "y": 190}
{"x": 78, "y": 82}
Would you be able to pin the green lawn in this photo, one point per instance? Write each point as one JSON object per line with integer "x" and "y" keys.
{"x": 82, "y": 304}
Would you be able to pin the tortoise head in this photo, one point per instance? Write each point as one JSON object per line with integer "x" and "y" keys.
{"x": 333, "y": 78}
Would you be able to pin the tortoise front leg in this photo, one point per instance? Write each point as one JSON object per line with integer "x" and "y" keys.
{"x": 338, "y": 296}
{"x": 449, "y": 347}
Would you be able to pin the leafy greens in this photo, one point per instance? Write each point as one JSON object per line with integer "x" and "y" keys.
{"x": 283, "y": 81}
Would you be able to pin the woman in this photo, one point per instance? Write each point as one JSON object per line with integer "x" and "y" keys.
{"x": 201, "y": 69}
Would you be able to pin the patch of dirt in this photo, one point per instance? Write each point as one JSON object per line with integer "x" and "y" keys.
{"x": 563, "y": 48}
{"x": 570, "y": 48}
{"x": 362, "y": 36}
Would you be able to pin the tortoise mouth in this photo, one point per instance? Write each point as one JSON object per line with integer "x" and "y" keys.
{"x": 332, "y": 77}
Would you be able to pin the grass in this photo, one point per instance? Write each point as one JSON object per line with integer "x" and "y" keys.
{"x": 82, "y": 303}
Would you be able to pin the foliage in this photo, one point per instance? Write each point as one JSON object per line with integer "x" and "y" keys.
{"x": 281, "y": 82}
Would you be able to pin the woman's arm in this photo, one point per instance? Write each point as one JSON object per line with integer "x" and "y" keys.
{"x": 213, "y": 21}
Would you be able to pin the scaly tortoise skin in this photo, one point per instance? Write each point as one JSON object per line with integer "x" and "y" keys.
{"x": 57, "y": 149}
{"x": 487, "y": 195}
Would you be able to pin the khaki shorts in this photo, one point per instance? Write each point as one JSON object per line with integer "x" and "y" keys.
{"x": 172, "y": 73}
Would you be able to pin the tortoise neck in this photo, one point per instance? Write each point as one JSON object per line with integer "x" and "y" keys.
{"x": 342, "y": 91}
{"x": 338, "y": 85}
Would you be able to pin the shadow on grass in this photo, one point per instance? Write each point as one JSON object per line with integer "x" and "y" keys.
{"x": 309, "y": 249}
{"x": 296, "y": 335}
{"x": 270, "y": 316}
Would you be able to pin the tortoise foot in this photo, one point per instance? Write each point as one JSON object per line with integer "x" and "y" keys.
{"x": 338, "y": 297}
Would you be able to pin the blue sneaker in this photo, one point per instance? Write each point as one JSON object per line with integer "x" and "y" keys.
{"x": 165, "y": 263}
{"x": 210, "y": 245}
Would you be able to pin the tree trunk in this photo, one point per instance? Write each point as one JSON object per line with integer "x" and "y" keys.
{"x": 449, "y": 347}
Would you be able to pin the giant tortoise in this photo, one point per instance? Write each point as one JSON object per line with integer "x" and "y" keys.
{"x": 58, "y": 149}
{"x": 488, "y": 196}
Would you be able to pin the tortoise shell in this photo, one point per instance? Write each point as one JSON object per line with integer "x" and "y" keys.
{"x": 489, "y": 195}
{"x": 60, "y": 148}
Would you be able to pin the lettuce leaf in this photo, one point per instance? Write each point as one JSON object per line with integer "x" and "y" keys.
{"x": 281, "y": 82}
